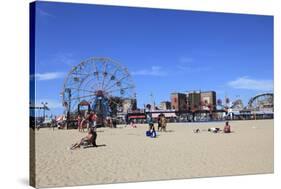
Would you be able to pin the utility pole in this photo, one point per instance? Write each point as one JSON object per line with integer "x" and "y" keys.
{"x": 152, "y": 100}
{"x": 44, "y": 109}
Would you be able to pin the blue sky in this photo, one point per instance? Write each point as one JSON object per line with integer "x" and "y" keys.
{"x": 164, "y": 50}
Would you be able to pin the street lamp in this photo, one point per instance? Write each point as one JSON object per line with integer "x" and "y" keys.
{"x": 44, "y": 108}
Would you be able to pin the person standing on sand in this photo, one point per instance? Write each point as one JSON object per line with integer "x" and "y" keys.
{"x": 93, "y": 123}
{"x": 163, "y": 123}
{"x": 159, "y": 123}
{"x": 150, "y": 121}
{"x": 79, "y": 120}
{"x": 151, "y": 132}
{"x": 82, "y": 124}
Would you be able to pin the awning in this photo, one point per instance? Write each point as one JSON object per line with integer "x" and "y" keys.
{"x": 137, "y": 117}
{"x": 155, "y": 115}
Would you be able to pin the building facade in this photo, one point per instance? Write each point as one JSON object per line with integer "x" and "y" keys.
{"x": 208, "y": 100}
{"x": 178, "y": 101}
{"x": 129, "y": 104}
{"x": 165, "y": 105}
{"x": 193, "y": 100}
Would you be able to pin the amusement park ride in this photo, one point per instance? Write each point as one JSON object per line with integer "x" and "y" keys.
{"x": 100, "y": 84}
{"x": 261, "y": 102}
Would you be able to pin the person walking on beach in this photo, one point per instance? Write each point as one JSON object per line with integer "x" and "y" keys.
{"x": 163, "y": 123}
{"x": 159, "y": 123}
{"x": 151, "y": 132}
{"x": 150, "y": 121}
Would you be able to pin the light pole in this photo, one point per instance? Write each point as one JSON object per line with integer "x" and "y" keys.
{"x": 44, "y": 109}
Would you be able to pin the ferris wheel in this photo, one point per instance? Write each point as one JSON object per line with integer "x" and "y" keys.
{"x": 98, "y": 82}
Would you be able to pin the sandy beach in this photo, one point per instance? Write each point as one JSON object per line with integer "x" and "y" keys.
{"x": 126, "y": 155}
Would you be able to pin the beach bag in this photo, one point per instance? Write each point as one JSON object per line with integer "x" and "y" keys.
{"x": 153, "y": 134}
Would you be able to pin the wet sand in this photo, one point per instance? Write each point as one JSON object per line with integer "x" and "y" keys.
{"x": 126, "y": 155}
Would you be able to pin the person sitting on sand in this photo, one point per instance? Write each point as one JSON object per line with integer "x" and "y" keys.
{"x": 214, "y": 130}
{"x": 226, "y": 128}
{"x": 90, "y": 138}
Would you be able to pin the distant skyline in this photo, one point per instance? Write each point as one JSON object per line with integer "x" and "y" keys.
{"x": 164, "y": 50}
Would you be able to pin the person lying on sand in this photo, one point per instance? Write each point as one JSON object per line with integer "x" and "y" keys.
{"x": 196, "y": 131}
{"x": 214, "y": 130}
{"x": 90, "y": 138}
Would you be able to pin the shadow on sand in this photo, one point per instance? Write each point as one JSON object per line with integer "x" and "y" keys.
{"x": 167, "y": 131}
{"x": 91, "y": 146}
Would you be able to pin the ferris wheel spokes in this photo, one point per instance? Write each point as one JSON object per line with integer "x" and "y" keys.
{"x": 118, "y": 82}
{"x": 97, "y": 77}
{"x": 122, "y": 90}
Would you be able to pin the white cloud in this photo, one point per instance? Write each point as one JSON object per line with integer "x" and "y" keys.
{"x": 49, "y": 76}
{"x": 153, "y": 71}
{"x": 251, "y": 84}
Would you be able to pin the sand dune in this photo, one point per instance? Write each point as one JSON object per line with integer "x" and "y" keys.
{"x": 127, "y": 155}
